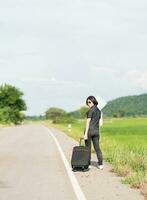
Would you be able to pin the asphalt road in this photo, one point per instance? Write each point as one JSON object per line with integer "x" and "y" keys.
{"x": 31, "y": 167}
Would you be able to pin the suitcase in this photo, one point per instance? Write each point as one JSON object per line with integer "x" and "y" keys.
{"x": 80, "y": 157}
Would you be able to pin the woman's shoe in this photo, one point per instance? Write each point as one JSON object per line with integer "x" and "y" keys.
{"x": 100, "y": 167}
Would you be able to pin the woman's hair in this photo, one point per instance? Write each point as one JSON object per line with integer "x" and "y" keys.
{"x": 93, "y": 99}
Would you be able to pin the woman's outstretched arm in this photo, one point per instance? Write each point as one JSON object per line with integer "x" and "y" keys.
{"x": 87, "y": 128}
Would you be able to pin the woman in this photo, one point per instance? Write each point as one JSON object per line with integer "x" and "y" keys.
{"x": 92, "y": 128}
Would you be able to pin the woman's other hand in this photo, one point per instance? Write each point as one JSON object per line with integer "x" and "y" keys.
{"x": 85, "y": 136}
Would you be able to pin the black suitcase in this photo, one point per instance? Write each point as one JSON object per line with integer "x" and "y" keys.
{"x": 80, "y": 157}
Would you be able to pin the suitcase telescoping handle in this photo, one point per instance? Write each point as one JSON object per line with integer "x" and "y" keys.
{"x": 81, "y": 141}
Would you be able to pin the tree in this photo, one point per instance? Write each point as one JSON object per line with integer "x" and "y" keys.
{"x": 11, "y": 104}
{"x": 55, "y": 114}
{"x": 58, "y": 115}
{"x": 83, "y": 110}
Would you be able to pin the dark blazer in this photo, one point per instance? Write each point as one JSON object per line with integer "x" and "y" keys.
{"x": 95, "y": 114}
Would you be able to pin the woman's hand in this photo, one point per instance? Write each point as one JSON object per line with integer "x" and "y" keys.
{"x": 85, "y": 136}
{"x": 87, "y": 128}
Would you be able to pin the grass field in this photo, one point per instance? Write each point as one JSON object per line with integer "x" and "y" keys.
{"x": 124, "y": 145}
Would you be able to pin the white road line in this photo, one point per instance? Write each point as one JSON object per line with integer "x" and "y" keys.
{"x": 80, "y": 195}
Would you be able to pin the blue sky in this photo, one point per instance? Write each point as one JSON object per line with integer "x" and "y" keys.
{"x": 60, "y": 52}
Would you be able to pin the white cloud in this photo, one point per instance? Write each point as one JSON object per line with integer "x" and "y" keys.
{"x": 133, "y": 76}
{"x": 138, "y": 78}
{"x": 51, "y": 81}
{"x": 142, "y": 80}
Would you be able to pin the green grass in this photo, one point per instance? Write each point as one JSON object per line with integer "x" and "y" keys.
{"x": 4, "y": 125}
{"x": 124, "y": 145}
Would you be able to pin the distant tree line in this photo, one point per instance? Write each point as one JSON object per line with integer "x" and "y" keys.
{"x": 58, "y": 115}
{"x": 35, "y": 117}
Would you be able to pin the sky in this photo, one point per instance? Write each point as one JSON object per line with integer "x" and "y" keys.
{"x": 60, "y": 52}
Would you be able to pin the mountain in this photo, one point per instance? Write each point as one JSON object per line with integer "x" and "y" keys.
{"x": 127, "y": 106}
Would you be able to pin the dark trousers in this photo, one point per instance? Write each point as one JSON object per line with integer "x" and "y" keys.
{"x": 95, "y": 140}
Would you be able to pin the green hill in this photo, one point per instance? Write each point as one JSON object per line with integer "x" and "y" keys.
{"x": 127, "y": 106}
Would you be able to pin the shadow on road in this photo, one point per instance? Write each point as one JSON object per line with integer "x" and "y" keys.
{"x": 4, "y": 185}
